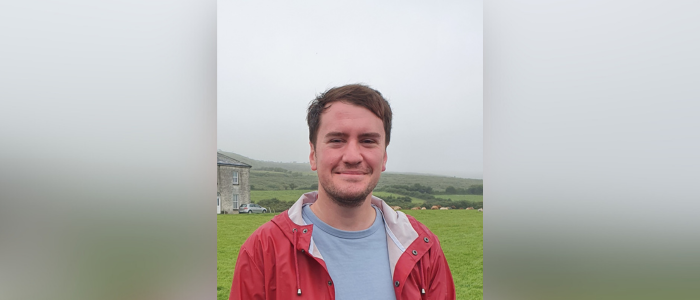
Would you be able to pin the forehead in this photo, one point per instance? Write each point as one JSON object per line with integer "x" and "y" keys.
{"x": 342, "y": 114}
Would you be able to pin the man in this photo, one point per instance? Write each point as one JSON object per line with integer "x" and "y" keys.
{"x": 341, "y": 242}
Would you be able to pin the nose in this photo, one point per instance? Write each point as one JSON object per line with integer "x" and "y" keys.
{"x": 352, "y": 154}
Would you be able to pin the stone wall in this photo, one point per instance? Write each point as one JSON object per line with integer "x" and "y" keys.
{"x": 227, "y": 189}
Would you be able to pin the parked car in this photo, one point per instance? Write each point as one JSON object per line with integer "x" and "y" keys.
{"x": 251, "y": 208}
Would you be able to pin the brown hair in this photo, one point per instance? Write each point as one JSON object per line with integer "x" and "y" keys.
{"x": 355, "y": 94}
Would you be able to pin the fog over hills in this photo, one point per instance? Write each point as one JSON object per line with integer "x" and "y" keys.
{"x": 258, "y": 164}
{"x": 269, "y": 175}
{"x": 305, "y": 167}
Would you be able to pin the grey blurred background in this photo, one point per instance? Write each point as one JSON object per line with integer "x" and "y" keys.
{"x": 274, "y": 57}
{"x": 591, "y": 149}
{"x": 108, "y": 121}
{"x": 108, "y": 133}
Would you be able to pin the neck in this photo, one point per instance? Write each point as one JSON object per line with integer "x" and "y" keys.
{"x": 341, "y": 217}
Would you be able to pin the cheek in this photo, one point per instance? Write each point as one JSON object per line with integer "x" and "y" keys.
{"x": 377, "y": 159}
{"x": 325, "y": 160}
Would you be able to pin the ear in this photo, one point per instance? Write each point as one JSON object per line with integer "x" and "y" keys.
{"x": 312, "y": 157}
{"x": 384, "y": 164}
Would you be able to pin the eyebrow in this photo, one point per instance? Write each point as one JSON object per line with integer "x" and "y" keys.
{"x": 370, "y": 135}
{"x": 363, "y": 135}
{"x": 335, "y": 134}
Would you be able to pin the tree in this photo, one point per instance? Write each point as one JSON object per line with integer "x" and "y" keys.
{"x": 476, "y": 189}
{"x": 292, "y": 186}
{"x": 451, "y": 190}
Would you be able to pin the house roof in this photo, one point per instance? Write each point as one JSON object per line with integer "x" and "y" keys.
{"x": 223, "y": 160}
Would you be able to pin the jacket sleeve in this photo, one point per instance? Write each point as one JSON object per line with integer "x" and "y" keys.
{"x": 248, "y": 277}
{"x": 442, "y": 285}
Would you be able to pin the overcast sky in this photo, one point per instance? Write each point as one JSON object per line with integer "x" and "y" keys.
{"x": 274, "y": 57}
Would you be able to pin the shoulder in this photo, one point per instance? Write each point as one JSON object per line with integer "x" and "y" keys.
{"x": 266, "y": 235}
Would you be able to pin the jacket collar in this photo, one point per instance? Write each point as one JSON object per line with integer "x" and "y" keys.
{"x": 399, "y": 230}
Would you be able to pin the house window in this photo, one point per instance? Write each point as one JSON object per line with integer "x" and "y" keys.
{"x": 235, "y": 201}
{"x": 235, "y": 177}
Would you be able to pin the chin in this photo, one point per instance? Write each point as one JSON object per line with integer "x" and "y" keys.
{"x": 348, "y": 196}
{"x": 354, "y": 194}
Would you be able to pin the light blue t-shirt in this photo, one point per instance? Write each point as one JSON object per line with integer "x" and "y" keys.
{"x": 358, "y": 261}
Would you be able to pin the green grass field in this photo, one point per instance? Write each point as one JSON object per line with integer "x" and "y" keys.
{"x": 382, "y": 195}
{"x": 293, "y": 195}
{"x": 283, "y": 195}
{"x": 460, "y": 233}
{"x": 473, "y": 198}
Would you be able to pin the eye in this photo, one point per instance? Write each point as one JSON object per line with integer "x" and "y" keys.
{"x": 369, "y": 141}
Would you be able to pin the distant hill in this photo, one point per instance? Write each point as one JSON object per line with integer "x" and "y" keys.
{"x": 438, "y": 183}
{"x": 266, "y": 175}
{"x": 259, "y": 164}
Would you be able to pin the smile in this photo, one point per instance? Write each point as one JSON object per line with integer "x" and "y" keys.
{"x": 351, "y": 173}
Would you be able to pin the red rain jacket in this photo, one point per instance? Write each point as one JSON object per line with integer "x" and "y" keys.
{"x": 278, "y": 261}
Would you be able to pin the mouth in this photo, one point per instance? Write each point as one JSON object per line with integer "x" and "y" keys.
{"x": 354, "y": 174}
{"x": 351, "y": 173}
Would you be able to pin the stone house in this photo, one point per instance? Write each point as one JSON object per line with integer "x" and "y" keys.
{"x": 232, "y": 184}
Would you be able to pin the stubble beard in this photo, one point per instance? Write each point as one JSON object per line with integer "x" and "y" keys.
{"x": 348, "y": 199}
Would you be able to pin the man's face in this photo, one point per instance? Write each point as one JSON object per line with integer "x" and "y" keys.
{"x": 350, "y": 153}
